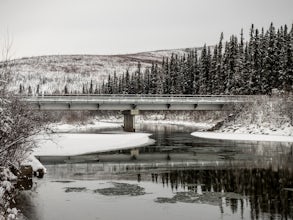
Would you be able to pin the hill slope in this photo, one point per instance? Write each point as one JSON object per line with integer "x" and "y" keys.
{"x": 52, "y": 73}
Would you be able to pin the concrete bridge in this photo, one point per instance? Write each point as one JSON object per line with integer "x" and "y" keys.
{"x": 131, "y": 105}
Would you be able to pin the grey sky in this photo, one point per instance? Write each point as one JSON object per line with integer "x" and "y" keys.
{"x": 40, "y": 27}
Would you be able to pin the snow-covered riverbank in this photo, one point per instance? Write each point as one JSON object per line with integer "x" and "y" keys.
{"x": 242, "y": 137}
{"x": 80, "y": 127}
{"x": 266, "y": 119}
{"x": 284, "y": 129}
{"x": 7, "y": 180}
{"x": 197, "y": 125}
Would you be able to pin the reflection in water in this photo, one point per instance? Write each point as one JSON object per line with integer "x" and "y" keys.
{"x": 243, "y": 180}
{"x": 265, "y": 189}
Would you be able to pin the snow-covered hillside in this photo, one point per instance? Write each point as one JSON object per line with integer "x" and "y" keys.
{"x": 52, "y": 73}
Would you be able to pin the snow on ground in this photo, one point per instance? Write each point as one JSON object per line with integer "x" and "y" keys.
{"x": 6, "y": 188}
{"x": 198, "y": 125}
{"x": 52, "y": 73}
{"x": 78, "y": 144}
{"x": 31, "y": 160}
{"x": 284, "y": 129}
{"x": 158, "y": 119}
{"x": 97, "y": 125}
{"x": 267, "y": 116}
{"x": 242, "y": 137}
{"x": 267, "y": 119}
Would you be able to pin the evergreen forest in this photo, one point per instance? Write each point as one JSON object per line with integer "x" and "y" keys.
{"x": 237, "y": 67}
{"x": 256, "y": 66}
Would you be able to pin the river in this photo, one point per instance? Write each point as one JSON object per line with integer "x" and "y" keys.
{"x": 178, "y": 177}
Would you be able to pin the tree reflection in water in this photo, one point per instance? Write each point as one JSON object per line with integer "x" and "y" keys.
{"x": 266, "y": 190}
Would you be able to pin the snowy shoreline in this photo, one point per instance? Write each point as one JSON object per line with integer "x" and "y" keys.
{"x": 80, "y": 127}
{"x": 32, "y": 161}
{"x": 198, "y": 125}
{"x": 242, "y": 137}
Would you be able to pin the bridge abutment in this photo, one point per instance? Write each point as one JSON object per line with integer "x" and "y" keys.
{"x": 129, "y": 120}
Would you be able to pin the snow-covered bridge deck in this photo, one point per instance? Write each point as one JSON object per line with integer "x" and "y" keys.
{"x": 135, "y": 102}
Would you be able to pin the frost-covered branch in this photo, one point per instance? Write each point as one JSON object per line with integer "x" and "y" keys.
{"x": 18, "y": 123}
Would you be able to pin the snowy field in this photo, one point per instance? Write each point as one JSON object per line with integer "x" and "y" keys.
{"x": 242, "y": 137}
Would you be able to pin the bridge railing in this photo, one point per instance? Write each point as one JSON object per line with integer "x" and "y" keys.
{"x": 135, "y": 95}
{"x": 139, "y": 98}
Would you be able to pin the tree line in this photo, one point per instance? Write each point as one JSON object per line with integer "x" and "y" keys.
{"x": 256, "y": 66}
{"x": 241, "y": 67}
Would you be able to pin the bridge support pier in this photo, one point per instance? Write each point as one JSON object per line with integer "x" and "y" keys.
{"x": 129, "y": 120}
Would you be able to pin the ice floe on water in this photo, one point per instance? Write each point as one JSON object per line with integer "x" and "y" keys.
{"x": 78, "y": 144}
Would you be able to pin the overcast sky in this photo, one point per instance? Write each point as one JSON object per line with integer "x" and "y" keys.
{"x": 41, "y": 27}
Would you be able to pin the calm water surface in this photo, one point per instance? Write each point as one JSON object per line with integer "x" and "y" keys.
{"x": 179, "y": 177}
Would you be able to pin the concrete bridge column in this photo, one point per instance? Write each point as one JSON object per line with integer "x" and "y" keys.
{"x": 129, "y": 120}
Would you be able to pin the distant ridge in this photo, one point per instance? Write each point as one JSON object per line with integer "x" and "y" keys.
{"x": 52, "y": 72}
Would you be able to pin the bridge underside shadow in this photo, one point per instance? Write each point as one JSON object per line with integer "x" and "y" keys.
{"x": 127, "y": 110}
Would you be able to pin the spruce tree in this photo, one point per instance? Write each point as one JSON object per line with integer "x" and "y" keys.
{"x": 127, "y": 83}
{"x": 160, "y": 80}
{"x": 288, "y": 85}
{"x": 20, "y": 91}
{"x": 153, "y": 79}
{"x": 91, "y": 89}
{"x": 270, "y": 60}
{"x": 38, "y": 89}
{"x": 65, "y": 90}
{"x": 167, "y": 81}
{"x": 220, "y": 71}
{"x": 195, "y": 74}
{"x": 204, "y": 71}
{"x": 146, "y": 81}
{"x": 29, "y": 90}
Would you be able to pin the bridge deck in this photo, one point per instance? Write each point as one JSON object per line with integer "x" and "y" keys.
{"x": 137, "y": 102}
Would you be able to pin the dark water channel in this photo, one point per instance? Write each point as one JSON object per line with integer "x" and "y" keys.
{"x": 179, "y": 177}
